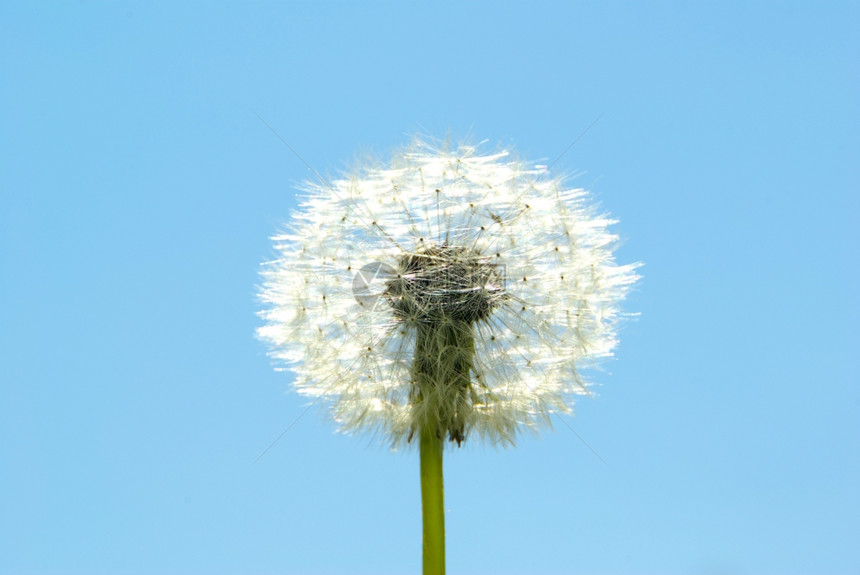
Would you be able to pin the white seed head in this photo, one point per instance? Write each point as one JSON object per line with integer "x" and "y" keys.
{"x": 450, "y": 288}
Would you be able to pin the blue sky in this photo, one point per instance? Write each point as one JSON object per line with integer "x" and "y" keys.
{"x": 138, "y": 190}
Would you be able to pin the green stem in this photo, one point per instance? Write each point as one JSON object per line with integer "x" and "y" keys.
{"x": 432, "y": 502}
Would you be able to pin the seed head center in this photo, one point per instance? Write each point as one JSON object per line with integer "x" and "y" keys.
{"x": 445, "y": 283}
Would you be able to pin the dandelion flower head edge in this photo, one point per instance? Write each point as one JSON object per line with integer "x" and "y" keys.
{"x": 448, "y": 288}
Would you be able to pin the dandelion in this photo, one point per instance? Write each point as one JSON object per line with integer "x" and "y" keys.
{"x": 446, "y": 296}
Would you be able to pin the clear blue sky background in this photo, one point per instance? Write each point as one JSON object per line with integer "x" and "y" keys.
{"x": 139, "y": 190}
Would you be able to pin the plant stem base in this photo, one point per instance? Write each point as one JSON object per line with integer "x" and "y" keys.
{"x": 432, "y": 502}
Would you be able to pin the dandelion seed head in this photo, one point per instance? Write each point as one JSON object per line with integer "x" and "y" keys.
{"x": 450, "y": 287}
